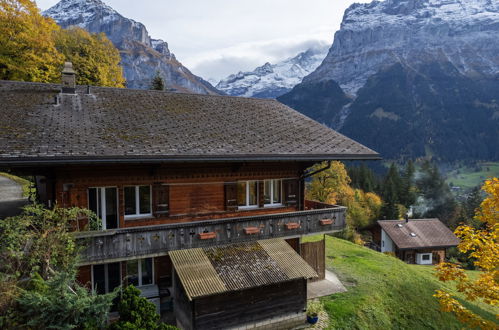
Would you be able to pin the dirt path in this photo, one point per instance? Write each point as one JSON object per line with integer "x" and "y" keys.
{"x": 11, "y": 197}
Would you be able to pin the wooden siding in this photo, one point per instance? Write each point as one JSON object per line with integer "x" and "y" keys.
{"x": 130, "y": 243}
{"x": 314, "y": 254}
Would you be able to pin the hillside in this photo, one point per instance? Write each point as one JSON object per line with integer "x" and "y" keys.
{"x": 384, "y": 292}
{"x": 421, "y": 77}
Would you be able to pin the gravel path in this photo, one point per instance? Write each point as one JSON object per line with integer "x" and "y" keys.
{"x": 11, "y": 197}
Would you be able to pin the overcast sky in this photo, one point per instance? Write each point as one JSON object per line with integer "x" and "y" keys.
{"x": 215, "y": 38}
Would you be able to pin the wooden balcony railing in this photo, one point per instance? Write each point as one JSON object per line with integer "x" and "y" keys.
{"x": 147, "y": 241}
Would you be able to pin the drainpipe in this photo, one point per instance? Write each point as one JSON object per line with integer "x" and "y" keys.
{"x": 301, "y": 181}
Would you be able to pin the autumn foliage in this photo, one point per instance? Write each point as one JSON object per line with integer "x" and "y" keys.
{"x": 34, "y": 48}
{"x": 483, "y": 246}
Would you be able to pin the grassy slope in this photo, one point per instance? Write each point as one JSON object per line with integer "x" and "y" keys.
{"x": 468, "y": 178}
{"x": 385, "y": 293}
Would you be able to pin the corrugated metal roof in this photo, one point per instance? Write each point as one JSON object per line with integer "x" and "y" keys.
{"x": 287, "y": 259}
{"x": 196, "y": 273}
{"x": 240, "y": 266}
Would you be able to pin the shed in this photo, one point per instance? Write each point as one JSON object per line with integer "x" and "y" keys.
{"x": 223, "y": 286}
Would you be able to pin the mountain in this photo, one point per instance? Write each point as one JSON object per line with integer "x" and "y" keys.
{"x": 421, "y": 76}
{"x": 272, "y": 80}
{"x": 141, "y": 56}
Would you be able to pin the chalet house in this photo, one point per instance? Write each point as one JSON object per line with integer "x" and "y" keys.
{"x": 416, "y": 241}
{"x": 201, "y": 197}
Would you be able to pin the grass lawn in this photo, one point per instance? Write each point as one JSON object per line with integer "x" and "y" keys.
{"x": 467, "y": 178}
{"x": 385, "y": 293}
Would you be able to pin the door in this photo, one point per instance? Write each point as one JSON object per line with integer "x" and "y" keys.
{"x": 103, "y": 201}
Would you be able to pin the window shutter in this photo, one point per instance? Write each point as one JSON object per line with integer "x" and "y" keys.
{"x": 161, "y": 199}
{"x": 231, "y": 196}
{"x": 290, "y": 187}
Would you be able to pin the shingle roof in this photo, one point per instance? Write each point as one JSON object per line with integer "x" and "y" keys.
{"x": 125, "y": 124}
{"x": 426, "y": 233}
{"x": 240, "y": 266}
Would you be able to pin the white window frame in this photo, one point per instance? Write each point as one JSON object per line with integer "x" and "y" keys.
{"x": 102, "y": 203}
{"x": 247, "y": 206}
{"x": 106, "y": 276}
{"x": 140, "y": 271}
{"x": 420, "y": 261}
{"x": 272, "y": 204}
{"x": 138, "y": 215}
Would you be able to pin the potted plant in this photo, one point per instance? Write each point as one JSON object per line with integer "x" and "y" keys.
{"x": 313, "y": 309}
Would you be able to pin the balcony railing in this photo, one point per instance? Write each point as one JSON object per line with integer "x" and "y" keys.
{"x": 147, "y": 241}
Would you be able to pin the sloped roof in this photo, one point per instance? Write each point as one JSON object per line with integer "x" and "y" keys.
{"x": 219, "y": 269}
{"x": 38, "y": 124}
{"x": 426, "y": 233}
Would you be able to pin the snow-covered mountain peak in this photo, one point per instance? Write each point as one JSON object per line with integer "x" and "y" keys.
{"x": 272, "y": 80}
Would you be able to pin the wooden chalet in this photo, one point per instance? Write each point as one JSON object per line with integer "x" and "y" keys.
{"x": 196, "y": 193}
{"x": 416, "y": 241}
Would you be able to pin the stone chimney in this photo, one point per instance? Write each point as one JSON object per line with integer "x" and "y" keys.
{"x": 68, "y": 79}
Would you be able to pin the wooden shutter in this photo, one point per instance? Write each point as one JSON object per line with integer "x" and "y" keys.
{"x": 291, "y": 195}
{"x": 161, "y": 199}
{"x": 231, "y": 196}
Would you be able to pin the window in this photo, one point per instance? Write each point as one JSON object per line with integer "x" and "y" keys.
{"x": 137, "y": 201}
{"x": 103, "y": 202}
{"x": 247, "y": 194}
{"x": 140, "y": 272}
{"x": 106, "y": 277}
{"x": 425, "y": 257}
{"x": 272, "y": 192}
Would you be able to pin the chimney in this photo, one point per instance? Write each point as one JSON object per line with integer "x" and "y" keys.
{"x": 68, "y": 79}
{"x": 406, "y": 218}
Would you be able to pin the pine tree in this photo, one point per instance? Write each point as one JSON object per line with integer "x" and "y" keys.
{"x": 158, "y": 82}
{"x": 408, "y": 195}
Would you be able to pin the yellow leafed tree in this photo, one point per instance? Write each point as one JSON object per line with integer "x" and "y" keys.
{"x": 27, "y": 48}
{"x": 94, "y": 57}
{"x": 483, "y": 246}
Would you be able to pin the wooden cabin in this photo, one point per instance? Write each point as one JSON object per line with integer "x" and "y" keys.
{"x": 174, "y": 172}
{"x": 416, "y": 241}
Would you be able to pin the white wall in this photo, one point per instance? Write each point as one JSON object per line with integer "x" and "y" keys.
{"x": 420, "y": 261}
{"x": 386, "y": 243}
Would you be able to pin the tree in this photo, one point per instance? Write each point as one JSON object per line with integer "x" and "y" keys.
{"x": 35, "y": 244}
{"x": 483, "y": 246}
{"x": 157, "y": 82}
{"x": 95, "y": 59}
{"x": 408, "y": 190}
{"x": 137, "y": 312}
{"x": 27, "y": 47}
{"x": 392, "y": 188}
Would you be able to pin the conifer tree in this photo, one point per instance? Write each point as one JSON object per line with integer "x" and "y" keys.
{"x": 408, "y": 195}
{"x": 157, "y": 82}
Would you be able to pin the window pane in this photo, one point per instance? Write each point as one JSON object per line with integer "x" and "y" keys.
{"x": 99, "y": 279}
{"x": 146, "y": 265}
{"x": 241, "y": 193}
{"x": 426, "y": 257}
{"x": 111, "y": 209}
{"x": 252, "y": 192}
{"x": 130, "y": 207}
{"x": 132, "y": 272}
{"x": 266, "y": 191}
{"x": 145, "y": 199}
{"x": 113, "y": 275}
{"x": 92, "y": 199}
{"x": 276, "y": 198}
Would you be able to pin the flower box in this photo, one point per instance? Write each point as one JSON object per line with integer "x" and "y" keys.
{"x": 292, "y": 225}
{"x": 208, "y": 235}
{"x": 325, "y": 222}
{"x": 251, "y": 230}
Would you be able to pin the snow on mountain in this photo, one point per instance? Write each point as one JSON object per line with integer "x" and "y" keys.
{"x": 381, "y": 33}
{"x": 273, "y": 80}
{"x": 141, "y": 55}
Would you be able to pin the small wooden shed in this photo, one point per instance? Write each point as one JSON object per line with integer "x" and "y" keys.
{"x": 241, "y": 284}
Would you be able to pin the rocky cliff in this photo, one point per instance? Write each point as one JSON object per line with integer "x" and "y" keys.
{"x": 421, "y": 77}
{"x": 141, "y": 55}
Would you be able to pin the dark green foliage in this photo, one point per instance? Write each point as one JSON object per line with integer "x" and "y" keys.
{"x": 408, "y": 190}
{"x": 61, "y": 303}
{"x": 137, "y": 312}
{"x": 157, "y": 82}
{"x": 392, "y": 187}
{"x": 363, "y": 178}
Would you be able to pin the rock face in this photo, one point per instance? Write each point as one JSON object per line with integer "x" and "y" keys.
{"x": 141, "y": 56}
{"x": 272, "y": 80}
{"x": 422, "y": 77}
{"x": 412, "y": 32}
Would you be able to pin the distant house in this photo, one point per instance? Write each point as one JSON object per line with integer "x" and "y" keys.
{"x": 201, "y": 197}
{"x": 416, "y": 241}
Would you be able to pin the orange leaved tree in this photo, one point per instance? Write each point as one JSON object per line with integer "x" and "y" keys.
{"x": 483, "y": 246}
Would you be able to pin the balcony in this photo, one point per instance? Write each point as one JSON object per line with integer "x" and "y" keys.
{"x": 148, "y": 241}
